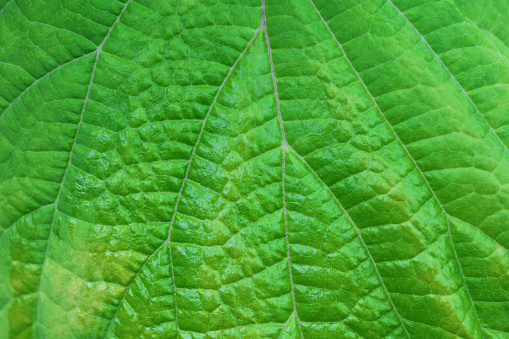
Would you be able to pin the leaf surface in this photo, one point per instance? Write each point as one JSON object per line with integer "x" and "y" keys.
{"x": 237, "y": 169}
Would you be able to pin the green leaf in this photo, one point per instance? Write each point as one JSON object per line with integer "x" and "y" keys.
{"x": 236, "y": 169}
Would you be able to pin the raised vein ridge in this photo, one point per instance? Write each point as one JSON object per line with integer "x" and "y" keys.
{"x": 98, "y": 51}
{"x": 409, "y": 155}
{"x": 168, "y": 240}
{"x": 357, "y": 230}
{"x": 36, "y": 81}
{"x": 7, "y": 4}
{"x": 448, "y": 71}
{"x": 283, "y": 146}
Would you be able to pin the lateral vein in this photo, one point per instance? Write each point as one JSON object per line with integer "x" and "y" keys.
{"x": 335, "y": 198}
{"x": 98, "y": 51}
{"x": 2, "y": 10}
{"x": 357, "y": 230}
{"x": 448, "y": 71}
{"x": 36, "y": 81}
{"x": 283, "y": 148}
{"x": 409, "y": 155}
{"x": 184, "y": 181}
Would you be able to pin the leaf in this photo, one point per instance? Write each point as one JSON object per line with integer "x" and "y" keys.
{"x": 237, "y": 169}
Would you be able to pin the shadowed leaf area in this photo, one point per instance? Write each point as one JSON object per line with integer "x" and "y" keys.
{"x": 222, "y": 169}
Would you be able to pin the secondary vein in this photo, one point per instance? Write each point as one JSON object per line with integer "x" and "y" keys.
{"x": 7, "y": 4}
{"x": 283, "y": 148}
{"x": 184, "y": 181}
{"x": 335, "y": 198}
{"x": 408, "y": 153}
{"x": 448, "y": 71}
{"x": 357, "y": 230}
{"x": 36, "y": 81}
{"x": 98, "y": 51}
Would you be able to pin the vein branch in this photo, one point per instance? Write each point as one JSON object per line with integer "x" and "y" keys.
{"x": 184, "y": 181}
{"x": 5, "y": 230}
{"x": 480, "y": 231}
{"x": 283, "y": 146}
{"x": 1, "y": 10}
{"x": 417, "y": 166}
{"x": 359, "y": 234}
{"x": 407, "y": 151}
{"x": 55, "y": 204}
{"x": 448, "y": 71}
{"x": 328, "y": 188}
{"x": 285, "y": 324}
{"x": 36, "y": 81}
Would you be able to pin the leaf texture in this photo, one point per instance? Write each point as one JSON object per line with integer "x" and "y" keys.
{"x": 254, "y": 169}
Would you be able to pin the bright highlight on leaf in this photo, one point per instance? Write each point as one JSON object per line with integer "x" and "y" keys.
{"x": 254, "y": 169}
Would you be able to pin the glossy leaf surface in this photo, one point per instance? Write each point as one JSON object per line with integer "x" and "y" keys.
{"x": 237, "y": 169}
